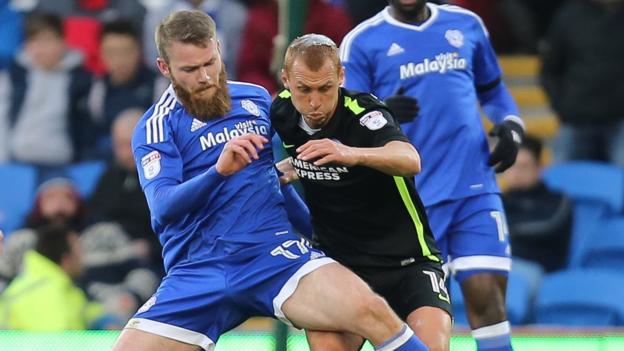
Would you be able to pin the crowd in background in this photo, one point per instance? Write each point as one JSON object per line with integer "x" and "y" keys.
{"x": 76, "y": 75}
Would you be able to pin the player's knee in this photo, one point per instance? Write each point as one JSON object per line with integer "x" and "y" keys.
{"x": 485, "y": 299}
{"x": 374, "y": 308}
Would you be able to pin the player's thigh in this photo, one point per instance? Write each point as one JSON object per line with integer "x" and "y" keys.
{"x": 333, "y": 341}
{"x": 192, "y": 305}
{"x": 331, "y": 298}
{"x": 479, "y": 240}
{"x": 138, "y": 340}
{"x": 418, "y": 294}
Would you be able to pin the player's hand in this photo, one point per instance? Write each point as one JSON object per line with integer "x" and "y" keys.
{"x": 326, "y": 151}
{"x": 404, "y": 108}
{"x": 239, "y": 152}
{"x": 509, "y": 136}
{"x": 288, "y": 173}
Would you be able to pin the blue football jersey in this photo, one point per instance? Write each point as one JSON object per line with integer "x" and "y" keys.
{"x": 441, "y": 62}
{"x": 172, "y": 148}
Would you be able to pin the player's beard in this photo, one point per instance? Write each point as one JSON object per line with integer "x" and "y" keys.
{"x": 214, "y": 106}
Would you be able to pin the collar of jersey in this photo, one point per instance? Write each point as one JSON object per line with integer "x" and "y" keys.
{"x": 434, "y": 14}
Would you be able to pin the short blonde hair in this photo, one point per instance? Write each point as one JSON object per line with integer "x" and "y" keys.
{"x": 315, "y": 49}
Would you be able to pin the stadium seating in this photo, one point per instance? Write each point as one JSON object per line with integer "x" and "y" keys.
{"x": 86, "y": 175}
{"x": 598, "y": 192}
{"x": 588, "y": 180}
{"x": 17, "y": 191}
{"x": 581, "y": 298}
{"x": 606, "y": 251}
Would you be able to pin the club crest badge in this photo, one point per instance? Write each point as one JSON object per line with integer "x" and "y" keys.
{"x": 455, "y": 37}
{"x": 251, "y": 107}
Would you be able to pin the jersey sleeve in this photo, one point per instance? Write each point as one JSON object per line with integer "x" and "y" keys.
{"x": 376, "y": 123}
{"x": 160, "y": 168}
{"x": 485, "y": 63}
{"x": 358, "y": 69}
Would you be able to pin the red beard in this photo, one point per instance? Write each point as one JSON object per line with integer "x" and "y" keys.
{"x": 215, "y": 106}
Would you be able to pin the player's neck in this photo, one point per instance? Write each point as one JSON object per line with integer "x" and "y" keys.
{"x": 416, "y": 19}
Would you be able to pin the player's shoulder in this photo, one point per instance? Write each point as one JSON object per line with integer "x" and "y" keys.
{"x": 152, "y": 127}
{"x": 358, "y": 103}
{"x": 362, "y": 31}
{"x": 240, "y": 89}
{"x": 460, "y": 14}
{"x": 282, "y": 106}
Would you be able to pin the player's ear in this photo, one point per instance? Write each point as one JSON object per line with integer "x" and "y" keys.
{"x": 284, "y": 78}
{"x": 163, "y": 67}
{"x": 341, "y": 75}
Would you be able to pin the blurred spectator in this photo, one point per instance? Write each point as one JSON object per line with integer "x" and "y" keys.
{"x": 528, "y": 22}
{"x": 82, "y": 20}
{"x": 257, "y": 46}
{"x": 582, "y": 74}
{"x": 102, "y": 10}
{"x": 114, "y": 272}
{"x": 57, "y": 202}
{"x": 10, "y": 32}
{"x": 118, "y": 196}
{"x": 229, "y": 15}
{"x": 127, "y": 82}
{"x": 44, "y": 297}
{"x": 359, "y": 10}
{"x": 539, "y": 219}
{"x": 48, "y": 122}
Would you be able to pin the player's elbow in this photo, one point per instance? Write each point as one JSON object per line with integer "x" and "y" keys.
{"x": 412, "y": 162}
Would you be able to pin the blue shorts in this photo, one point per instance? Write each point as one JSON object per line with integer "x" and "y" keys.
{"x": 472, "y": 235}
{"x": 199, "y": 301}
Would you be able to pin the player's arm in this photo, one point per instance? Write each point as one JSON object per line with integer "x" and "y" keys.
{"x": 397, "y": 158}
{"x": 160, "y": 169}
{"x": 497, "y": 103}
{"x": 298, "y": 212}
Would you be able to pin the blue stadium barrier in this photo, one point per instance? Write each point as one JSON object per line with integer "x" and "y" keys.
{"x": 17, "y": 192}
{"x": 86, "y": 176}
{"x": 581, "y": 298}
{"x": 607, "y": 249}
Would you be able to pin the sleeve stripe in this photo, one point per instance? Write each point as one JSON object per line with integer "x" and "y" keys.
{"x": 348, "y": 39}
{"x": 155, "y": 129}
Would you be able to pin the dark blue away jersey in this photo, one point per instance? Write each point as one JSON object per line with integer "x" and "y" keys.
{"x": 171, "y": 148}
{"x": 440, "y": 62}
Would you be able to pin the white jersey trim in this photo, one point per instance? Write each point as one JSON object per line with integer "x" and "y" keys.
{"x": 480, "y": 262}
{"x": 345, "y": 48}
{"x": 155, "y": 125}
{"x": 249, "y": 84}
{"x": 453, "y": 8}
{"x": 434, "y": 15}
{"x": 172, "y": 332}
{"x": 291, "y": 285}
